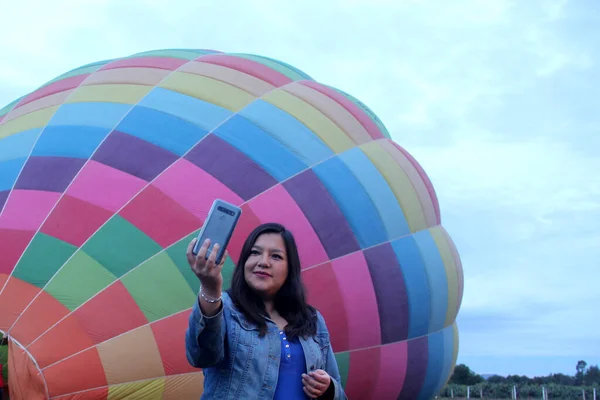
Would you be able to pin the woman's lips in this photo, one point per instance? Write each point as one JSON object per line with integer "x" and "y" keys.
{"x": 262, "y": 274}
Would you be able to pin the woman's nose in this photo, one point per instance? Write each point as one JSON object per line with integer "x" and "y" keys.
{"x": 264, "y": 261}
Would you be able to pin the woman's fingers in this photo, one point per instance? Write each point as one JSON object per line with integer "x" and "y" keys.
{"x": 314, "y": 387}
{"x": 202, "y": 252}
{"x": 225, "y": 255}
{"x": 198, "y": 262}
{"x": 190, "y": 255}
{"x": 310, "y": 392}
{"x": 212, "y": 258}
{"x": 204, "y": 267}
{"x": 321, "y": 376}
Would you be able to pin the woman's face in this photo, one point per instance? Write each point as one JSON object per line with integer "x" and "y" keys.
{"x": 267, "y": 267}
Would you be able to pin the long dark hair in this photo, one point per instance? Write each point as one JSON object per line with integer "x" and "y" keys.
{"x": 290, "y": 301}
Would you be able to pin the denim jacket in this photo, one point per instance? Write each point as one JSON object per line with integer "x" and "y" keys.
{"x": 238, "y": 364}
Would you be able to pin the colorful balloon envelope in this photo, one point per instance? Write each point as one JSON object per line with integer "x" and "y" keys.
{"x": 108, "y": 171}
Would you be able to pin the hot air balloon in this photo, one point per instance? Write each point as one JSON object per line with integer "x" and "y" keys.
{"x": 108, "y": 171}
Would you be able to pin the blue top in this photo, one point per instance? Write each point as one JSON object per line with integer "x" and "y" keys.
{"x": 251, "y": 369}
{"x": 291, "y": 368}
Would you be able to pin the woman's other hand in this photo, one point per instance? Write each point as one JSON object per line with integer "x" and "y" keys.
{"x": 316, "y": 383}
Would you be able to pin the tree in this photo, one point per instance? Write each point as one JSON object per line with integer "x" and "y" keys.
{"x": 463, "y": 375}
{"x": 562, "y": 379}
{"x": 558, "y": 386}
{"x": 496, "y": 379}
{"x": 592, "y": 376}
{"x": 581, "y": 366}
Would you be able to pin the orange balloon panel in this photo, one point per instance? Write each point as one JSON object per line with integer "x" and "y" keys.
{"x": 24, "y": 378}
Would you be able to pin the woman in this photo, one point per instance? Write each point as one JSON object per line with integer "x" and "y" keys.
{"x": 260, "y": 339}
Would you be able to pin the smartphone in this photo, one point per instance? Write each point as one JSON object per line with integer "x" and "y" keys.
{"x": 218, "y": 227}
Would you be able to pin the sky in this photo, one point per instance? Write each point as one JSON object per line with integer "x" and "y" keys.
{"x": 496, "y": 99}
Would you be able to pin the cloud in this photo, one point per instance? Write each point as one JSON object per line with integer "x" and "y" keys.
{"x": 522, "y": 214}
{"x": 537, "y": 176}
{"x": 497, "y": 100}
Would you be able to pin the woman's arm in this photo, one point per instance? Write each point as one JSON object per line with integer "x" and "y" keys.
{"x": 335, "y": 390}
{"x": 205, "y": 336}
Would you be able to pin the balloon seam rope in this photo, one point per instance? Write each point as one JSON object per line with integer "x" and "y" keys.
{"x": 112, "y": 338}
{"x": 5, "y": 120}
{"x": 189, "y": 308}
{"x": 162, "y": 250}
{"x": 243, "y": 203}
{"x": 81, "y": 169}
{"x": 408, "y": 339}
{"x": 124, "y": 383}
{"x": 81, "y": 84}
{"x": 25, "y": 349}
{"x": 44, "y": 127}
{"x": 135, "y": 196}
{"x": 34, "y": 363}
{"x": 23, "y": 167}
{"x": 410, "y": 181}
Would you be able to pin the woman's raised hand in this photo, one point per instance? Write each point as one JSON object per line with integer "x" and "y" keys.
{"x": 206, "y": 269}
